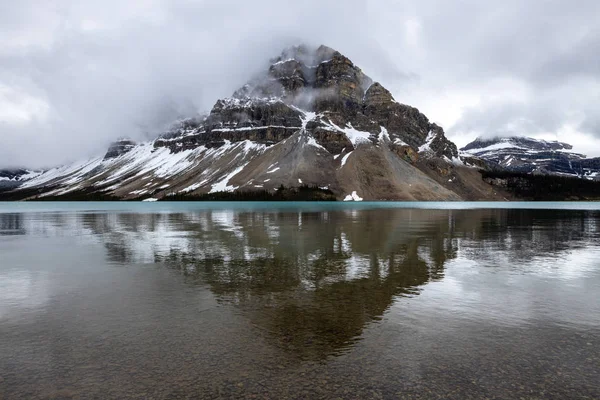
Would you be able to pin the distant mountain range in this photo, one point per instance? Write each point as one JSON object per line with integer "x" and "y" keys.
{"x": 529, "y": 155}
{"x": 312, "y": 121}
{"x": 13, "y": 178}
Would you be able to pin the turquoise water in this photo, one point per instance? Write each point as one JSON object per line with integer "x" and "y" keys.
{"x": 299, "y": 300}
{"x": 7, "y": 207}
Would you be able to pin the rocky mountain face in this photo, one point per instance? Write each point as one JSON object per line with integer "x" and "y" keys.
{"x": 522, "y": 154}
{"x": 312, "y": 118}
{"x": 118, "y": 148}
{"x": 336, "y": 94}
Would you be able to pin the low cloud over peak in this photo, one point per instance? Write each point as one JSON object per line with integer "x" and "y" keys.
{"x": 75, "y": 75}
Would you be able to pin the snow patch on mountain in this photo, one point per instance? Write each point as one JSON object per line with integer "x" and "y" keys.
{"x": 384, "y": 135}
{"x": 345, "y": 158}
{"x": 223, "y": 184}
{"x": 75, "y": 170}
{"x": 505, "y": 144}
{"x": 354, "y": 135}
{"x": 195, "y": 186}
{"x": 426, "y": 147}
{"x": 353, "y": 197}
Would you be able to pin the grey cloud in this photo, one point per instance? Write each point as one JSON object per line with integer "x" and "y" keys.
{"x": 511, "y": 119}
{"x": 581, "y": 59}
{"x": 131, "y": 73}
{"x": 109, "y": 68}
{"x": 551, "y": 48}
{"x": 591, "y": 124}
{"x": 513, "y": 37}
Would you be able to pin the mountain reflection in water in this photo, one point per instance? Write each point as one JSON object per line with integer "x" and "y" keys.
{"x": 312, "y": 283}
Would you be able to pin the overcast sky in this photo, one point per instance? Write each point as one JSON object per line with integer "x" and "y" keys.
{"x": 76, "y": 74}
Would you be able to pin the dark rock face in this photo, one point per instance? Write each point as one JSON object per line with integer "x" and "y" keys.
{"x": 333, "y": 142}
{"x": 262, "y": 121}
{"x": 290, "y": 74}
{"x": 406, "y": 153}
{"x": 341, "y": 84}
{"x": 521, "y": 154}
{"x": 118, "y": 148}
{"x": 475, "y": 162}
{"x": 12, "y": 174}
{"x": 271, "y": 108}
{"x": 587, "y": 168}
{"x": 440, "y": 145}
{"x": 377, "y": 97}
{"x": 238, "y": 114}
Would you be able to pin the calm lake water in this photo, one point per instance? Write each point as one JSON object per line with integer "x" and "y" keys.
{"x": 299, "y": 301}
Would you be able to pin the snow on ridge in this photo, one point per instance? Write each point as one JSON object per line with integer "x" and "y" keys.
{"x": 248, "y": 145}
{"x": 193, "y": 187}
{"x": 384, "y": 135}
{"x": 496, "y": 146}
{"x": 143, "y": 161}
{"x": 61, "y": 191}
{"x": 311, "y": 141}
{"x": 74, "y": 170}
{"x": 455, "y": 161}
{"x": 231, "y": 102}
{"x": 354, "y": 135}
{"x": 426, "y": 147}
{"x": 252, "y": 128}
{"x": 245, "y": 146}
{"x": 308, "y": 117}
{"x": 164, "y": 164}
{"x": 345, "y": 158}
{"x": 522, "y": 143}
{"x": 284, "y": 61}
{"x": 29, "y": 175}
{"x": 223, "y": 184}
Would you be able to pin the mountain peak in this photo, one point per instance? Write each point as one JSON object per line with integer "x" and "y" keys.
{"x": 321, "y": 80}
{"x": 302, "y": 76}
{"x": 312, "y": 117}
{"x": 307, "y": 55}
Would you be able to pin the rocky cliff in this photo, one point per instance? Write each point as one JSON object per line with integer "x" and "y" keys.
{"x": 118, "y": 148}
{"x": 343, "y": 101}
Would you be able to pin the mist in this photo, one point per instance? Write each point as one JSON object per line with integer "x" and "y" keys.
{"x": 76, "y": 75}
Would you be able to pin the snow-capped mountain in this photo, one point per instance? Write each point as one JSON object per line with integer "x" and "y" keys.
{"x": 530, "y": 155}
{"x": 12, "y": 178}
{"x": 313, "y": 118}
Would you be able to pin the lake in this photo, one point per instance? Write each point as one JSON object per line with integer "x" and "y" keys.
{"x": 299, "y": 300}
